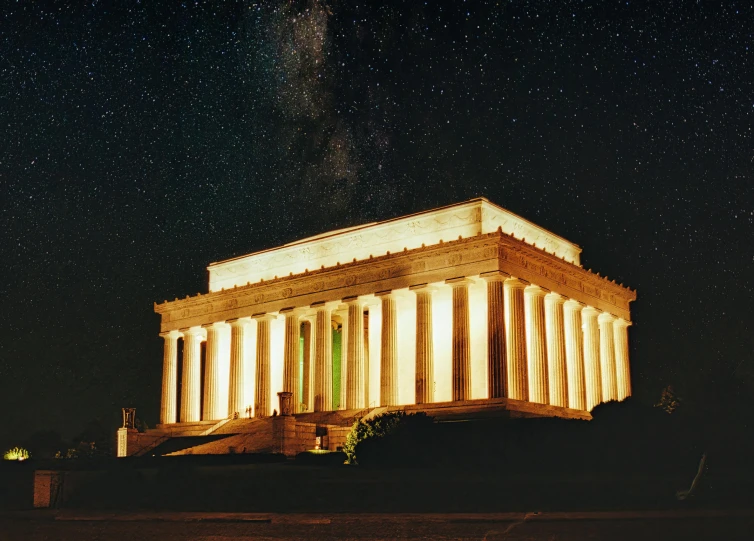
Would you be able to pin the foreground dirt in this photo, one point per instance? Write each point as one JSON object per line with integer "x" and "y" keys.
{"x": 113, "y": 526}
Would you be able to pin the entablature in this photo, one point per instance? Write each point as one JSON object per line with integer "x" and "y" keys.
{"x": 469, "y": 256}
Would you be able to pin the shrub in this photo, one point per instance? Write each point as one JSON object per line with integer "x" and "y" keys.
{"x": 396, "y": 423}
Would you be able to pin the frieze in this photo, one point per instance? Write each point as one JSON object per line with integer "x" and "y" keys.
{"x": 428, "y": 259}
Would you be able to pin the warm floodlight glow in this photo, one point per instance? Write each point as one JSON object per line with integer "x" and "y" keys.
{"x": 17, "y": 453}
{"x": 466, "y": 328}
{"x": 468, "y": 219}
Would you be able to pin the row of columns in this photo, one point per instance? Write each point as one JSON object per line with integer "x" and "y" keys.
{"x": 557, "y": 350}
{"x": 541, "y": 348}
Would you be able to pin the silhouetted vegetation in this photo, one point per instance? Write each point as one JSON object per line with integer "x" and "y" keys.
{"x": 623, "y": 438}
{"x": 404, "y": 432}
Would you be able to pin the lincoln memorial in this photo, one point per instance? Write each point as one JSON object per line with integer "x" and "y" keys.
{"x": 461, "y": 311}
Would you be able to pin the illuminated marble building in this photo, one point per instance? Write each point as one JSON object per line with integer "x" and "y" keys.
{"x": 461, "y": 311}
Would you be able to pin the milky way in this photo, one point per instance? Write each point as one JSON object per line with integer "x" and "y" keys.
{"x": 140, "y": 143}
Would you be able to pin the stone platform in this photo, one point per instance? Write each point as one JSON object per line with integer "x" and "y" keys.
{"x": 294, "y": 434}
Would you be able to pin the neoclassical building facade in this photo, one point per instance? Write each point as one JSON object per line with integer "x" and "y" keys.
{"x": 465, "y": 304}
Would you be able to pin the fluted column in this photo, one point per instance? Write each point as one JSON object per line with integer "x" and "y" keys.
{"x": 461, "y": 353}
{"x": 307, "y": 387}
{"x": 238, "y": 333}
{"x": 536, "y": 346}
{"x": 355, "y": 368}
{"x": 168, "y": 404}
{"x": 574, "y": 354}
{"x": 191, "y": 381}
{"x": 556, "y": 355}
{"x": 291, "y": 357}
{"x": 496, "y": 354}
{"x": 425, "y": 358}
{"x": 622, "y": 367}
{"x": 323, "y": 359}
{"x": 607, "y": 357}
{"x": 212, "y": 410}
{"x": 592, "y": 375}
{"x": 343, "y": 358}
{"x": 389, "y": 350}
{"x": 369, "y": 403}
{"x": 262, "y": 406}
{"x": 515, "y": 339}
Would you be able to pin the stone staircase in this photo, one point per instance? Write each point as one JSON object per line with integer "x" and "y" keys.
{"x": 237, "y": 436}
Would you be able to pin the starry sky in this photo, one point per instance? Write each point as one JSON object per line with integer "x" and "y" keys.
{"x": 140, "y": 141}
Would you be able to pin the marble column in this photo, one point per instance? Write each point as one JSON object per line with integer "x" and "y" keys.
{"x": 323, "y": 359}
{"x": 425, "y": 358}
{"x": 343, "y": 314}
{"x": 556, "y": 350}
{"x": 366, "y": 361}
{"x": 536, "y": 346}
{"x": 238, "y": 352}
{"x": 168, "y": 405}
{"x": 191, "y": 391}
{"x": 592, "y": 376}
{"x": 515, "y": 339}
{"x": 574, "y": 354}
{"x": 607, "y": 357}
{"x": 355, "y": 367}
{"x": 262, "y": 406}
{"x": 308, "y": 398}
{"x": 291, "y": 357}
{"x": 461, "y": 352}
{"x": 622, "y": 368}
{"x": 496, "y": 354}
{"x": 212, "y": 410}
{"x": 389, "y": 350}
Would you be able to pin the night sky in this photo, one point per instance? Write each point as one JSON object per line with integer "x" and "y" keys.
{"x": 140, "y": 142}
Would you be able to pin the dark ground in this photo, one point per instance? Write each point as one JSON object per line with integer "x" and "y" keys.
{"x": 627, "y": 526}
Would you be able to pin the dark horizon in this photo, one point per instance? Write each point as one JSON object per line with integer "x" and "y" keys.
{"x": 141, "y": 143}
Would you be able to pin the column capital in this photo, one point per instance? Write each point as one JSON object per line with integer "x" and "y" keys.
{"x": 605, "y": 317}
{"x": 590, "y": 311}
{"x": 516, "y": 283}
{"x": 533, "y": 289}
{"x": 422, "y": 287}
{"x": 238, "y": 322}
{"x": 495, "y": 276}
{"x": 326, "y": 305}
{"x": 359, "y": 301}
{"x": 620, "y": 322}
{"x": 292, "y": 311}
{"x": 553, "y": 297}
{"x": 215, "y": 325}
{"x": 264, "y": 316}
{"x": 458, "y": 282}
{"x": 198, "y": 332}
{"x": 573, "y": 304}
{"x": 173, "y": 335}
